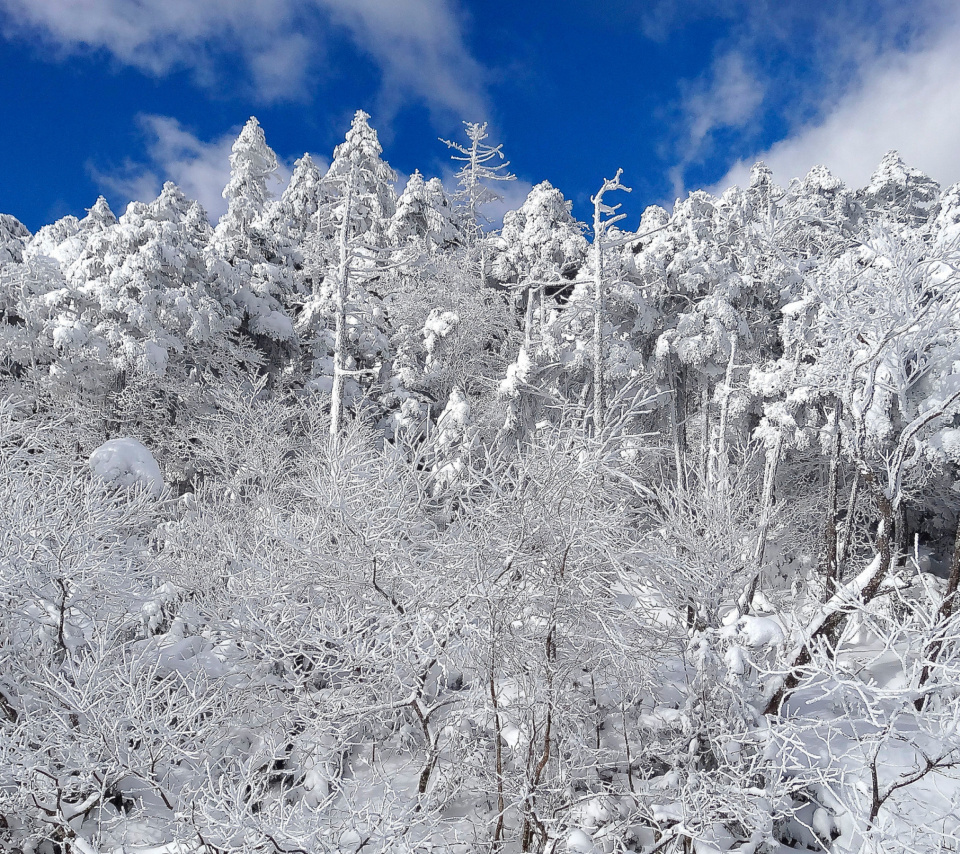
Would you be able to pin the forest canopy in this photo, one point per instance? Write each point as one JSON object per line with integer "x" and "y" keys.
{"x": 353, "y": 522}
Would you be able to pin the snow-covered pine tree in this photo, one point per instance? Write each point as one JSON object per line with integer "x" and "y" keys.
{"x": 143, "y": 306}
{"x": 359, "y": 185}
{"x": 374, "y": 200}
{"x": 476, "y": 174}
{"x": 425, "y": 214}
{"x": 540, "y": 249}
{"x": 293, "y": 221}
{"x": 56, "y": 266}
{"x": 899, "y": 193}
{"x": 252, "y": 163}
{"x": 29, "y": 292}
{"x": 66, "y": 239}
{"x": 13, "y": 237}
{"x": 263, "y": 277}
{"x": 13, "y": 285}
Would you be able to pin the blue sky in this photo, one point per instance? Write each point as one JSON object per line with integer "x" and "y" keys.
{"x": 115, "y": 96}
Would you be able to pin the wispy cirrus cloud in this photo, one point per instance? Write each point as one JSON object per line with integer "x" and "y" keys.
{"x": 418, "y": 45}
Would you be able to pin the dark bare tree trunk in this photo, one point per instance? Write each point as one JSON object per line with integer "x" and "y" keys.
{"x": 901, "y": 538}
{"x": 679, "y": 426}
{"x": 498, "y": 748}
{"x": 884, "y": 545}
{"x": 947, "y": 608}
{"x": 847, "y": 538}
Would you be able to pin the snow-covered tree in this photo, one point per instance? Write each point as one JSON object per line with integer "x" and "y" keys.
{"x": 252, "y": 163}
{"x": 262, "y": 273}
{"x": 448, "y": 332}
{"x": 152, "y": 293}
{"x": 373, "y": 200}
{"x": 44, "y": 293}
{"x": 424, "y": 213}
{"x": 362, "y": 200}
{"x": 721, "y": 615}
{"x": 476, "y": 177}
{"x": 541, "y": 247}
{"x": 28, "y": 296}
{"x": 13, "y": 237}
{"x": 604, "y": 216}
{"x": 900, "y": 193}
{"x": 294, "y": 219}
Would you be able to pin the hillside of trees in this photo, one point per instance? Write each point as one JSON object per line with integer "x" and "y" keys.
{"x": 354, "y": 524}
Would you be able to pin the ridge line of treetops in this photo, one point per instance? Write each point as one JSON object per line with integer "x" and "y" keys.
{"x": 756, "y": 313}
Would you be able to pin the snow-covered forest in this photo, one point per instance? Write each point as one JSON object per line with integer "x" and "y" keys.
{"x": 354, "y": 524}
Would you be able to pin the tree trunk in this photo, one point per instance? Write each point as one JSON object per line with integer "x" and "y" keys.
{"x": 901, "y": 541}
{"x": 831, "y": 629}
{"x": 947, "y": 607}
{"x": 831, "y": 559}
{"x": 884, "y": 543}
{"x": 598, "y": 402}
{"x": 600, "y": 227}
{"x": 847, "y": 538}
{"x": 112, "y": 422}
{"x": 766, "y": 510}
{"x": 498, "y": 758}
{"x": 340, "y": 334}
{"x": 705, "y": 437}
{"x": 528, "y": 320}
{"x": 721, "y": 469}
{"x": 680, "y": 410}
{"x": 676, "y": 428}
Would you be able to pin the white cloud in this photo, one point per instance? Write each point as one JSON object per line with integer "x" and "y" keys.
{"x": 727, "y": 97}
{"x": 908, "y": 101}
{"x": 201, "y": 169}
{"x": 418, "y": 44}
{"x": 131, "y": 183}
{"x": 730, "y": 100}
{"x": 154, "y": 35}
{"x": 514, "y": 194}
